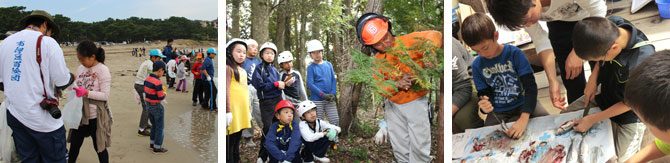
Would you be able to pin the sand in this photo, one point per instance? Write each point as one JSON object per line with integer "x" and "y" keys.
{"x": 186, "y": 141}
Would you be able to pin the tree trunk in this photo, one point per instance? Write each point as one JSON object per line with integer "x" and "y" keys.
{"x": 282, "y": 12}
{"x": 260, "y": 15}
{"x": 235, "y": 14}
{"x": 350, "y": 94}
{"x": 440, "y": 125}
{"x": 300, "y": 51}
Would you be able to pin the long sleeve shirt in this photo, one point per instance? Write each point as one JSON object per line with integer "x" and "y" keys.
{"x": 97, "y": 80}
{"x": 312, "y": 134}
{"x": 321, "y": 80}
{"x": 283, "y": 141}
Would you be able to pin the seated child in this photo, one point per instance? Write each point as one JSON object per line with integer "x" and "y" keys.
{"x": 283, "y": 140}
{"x": 316, "y": 133}
{"x": 502, "y": 75}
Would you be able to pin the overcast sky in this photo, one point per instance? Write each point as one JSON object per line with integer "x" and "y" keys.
{"x": 99, "y": 10}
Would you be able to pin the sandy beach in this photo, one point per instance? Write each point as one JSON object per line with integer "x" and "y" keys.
{"x": 190, "y": 132}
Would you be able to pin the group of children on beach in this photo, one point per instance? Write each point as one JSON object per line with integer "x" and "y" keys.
{"x": 628, "y": 81}
{"x": 292, "y": 132}
{"x": 152, "y": 92}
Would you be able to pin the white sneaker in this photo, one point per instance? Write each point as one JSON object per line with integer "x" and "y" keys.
{"x": 322, "y": 159}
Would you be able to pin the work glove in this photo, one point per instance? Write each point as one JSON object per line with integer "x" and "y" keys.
{"x": 329, "y": 97}
{"x": 209, "y": 78}
{"x": 80, "y": 91}
{"x": 382, "y": 134}
{"x": 332, "y": 135}
{"x": 229, "y": 118}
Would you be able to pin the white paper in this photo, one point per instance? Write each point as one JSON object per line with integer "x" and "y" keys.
{"x": 539, "y": 142}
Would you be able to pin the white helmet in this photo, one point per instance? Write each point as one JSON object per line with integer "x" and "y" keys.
{"x": 251, "y": 42}
{"x": 305, "y": 106}
{"x": 268, "y": 45}
{"x": 285, "y": 56}
{"x": 314, "y": 45}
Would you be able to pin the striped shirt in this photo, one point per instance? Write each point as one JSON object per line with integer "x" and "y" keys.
{"x": 153, "y": 88}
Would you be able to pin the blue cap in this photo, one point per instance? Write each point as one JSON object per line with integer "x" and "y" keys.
{"x": 158, "y": 65}
{"x": 211, "y": 50}
{"x": 156, "y": 53}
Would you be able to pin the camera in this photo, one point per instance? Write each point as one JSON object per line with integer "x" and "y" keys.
{"x": 51, "y": 106}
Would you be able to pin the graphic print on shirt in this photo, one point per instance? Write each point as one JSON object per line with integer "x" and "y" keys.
{"x": 16, "y": 68}
{"x": 566, "y": 11}
{"x": 503, "y": 78}
{"x": 87, "y": 79}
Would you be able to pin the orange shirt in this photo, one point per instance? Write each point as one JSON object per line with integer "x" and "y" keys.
{"x": 402, "y": 96}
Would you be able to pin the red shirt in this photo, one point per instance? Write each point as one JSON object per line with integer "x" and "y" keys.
{"x": 196, "y": 70}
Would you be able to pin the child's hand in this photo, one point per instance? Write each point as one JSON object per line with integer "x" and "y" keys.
{"x": 80, "y": 91}
{"x": 590, "y": 92}
{"x": 517, "y": 129}
{"x": 289, "y": 81}
{"x": 332, "y": 135}
{"x": 584, "y": 124}
{"x": 485, "y": 104}
{"x": 281, "y": 85}
{"x": 229, "y": 118}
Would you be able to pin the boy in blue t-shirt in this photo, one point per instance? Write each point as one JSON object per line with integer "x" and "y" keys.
{"x": 503, "y": 77}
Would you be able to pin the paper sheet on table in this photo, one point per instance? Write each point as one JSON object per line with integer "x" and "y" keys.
{"x": 539, "y": 143}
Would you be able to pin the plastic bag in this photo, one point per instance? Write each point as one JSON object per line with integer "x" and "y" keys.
{"x": 137, "y": 96}
{"x": 72, "y": 112}
{"x": 6, "y": 141}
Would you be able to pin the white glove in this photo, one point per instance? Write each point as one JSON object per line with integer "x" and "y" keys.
{"x": 229, "y": 118}
{"x": 285, "y": 161}
{"x": 382, "y": 134}
{"x": 164, "y": 102}
{"x": 209, "y": 78}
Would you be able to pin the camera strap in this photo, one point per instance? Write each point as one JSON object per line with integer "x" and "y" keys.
{"x": 39, "y": 63}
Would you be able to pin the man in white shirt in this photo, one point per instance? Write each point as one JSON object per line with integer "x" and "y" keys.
{"x": 38, "y": 136}
{"x": 142, "y": 73}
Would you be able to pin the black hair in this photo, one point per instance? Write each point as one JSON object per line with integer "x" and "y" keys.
{"x": 230, "y": 62}
{"x": 170, "y": 40}
{"x": 593, "y": 36}
{"x": 647, "y": 90}
{"x": 35, "y": 21}
{"x": 261, "y": 55}
{"x": 509, "y": 13}
{"x": 88, "y": 48}
{"x": 477, "y": 28}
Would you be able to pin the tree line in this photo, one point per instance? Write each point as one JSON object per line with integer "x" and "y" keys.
{"x": 133, "y": 29}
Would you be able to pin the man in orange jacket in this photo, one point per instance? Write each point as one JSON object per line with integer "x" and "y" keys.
{"x": 406, "y": 110}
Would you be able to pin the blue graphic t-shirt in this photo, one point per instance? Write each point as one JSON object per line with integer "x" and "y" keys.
{"x": 502, "y": 75}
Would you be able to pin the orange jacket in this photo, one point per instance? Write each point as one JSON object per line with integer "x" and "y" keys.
{"x": 402, "y": 96}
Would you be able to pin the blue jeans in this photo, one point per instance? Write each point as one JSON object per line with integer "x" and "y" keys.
{"x": 156, "y": 115}
{"x": 33, "y": 146}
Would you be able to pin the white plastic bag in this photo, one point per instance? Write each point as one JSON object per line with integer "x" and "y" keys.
{"x": 137, "y": 96}
{"x": 72, "y": 112}
{"x": 6, "y": 141}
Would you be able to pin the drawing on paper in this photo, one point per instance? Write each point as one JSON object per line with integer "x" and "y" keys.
{"x": 547, "y": 139}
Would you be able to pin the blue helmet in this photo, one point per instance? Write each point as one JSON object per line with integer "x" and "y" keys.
{"x": 156, "y": 53}
{"x": 211, "y": 50}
